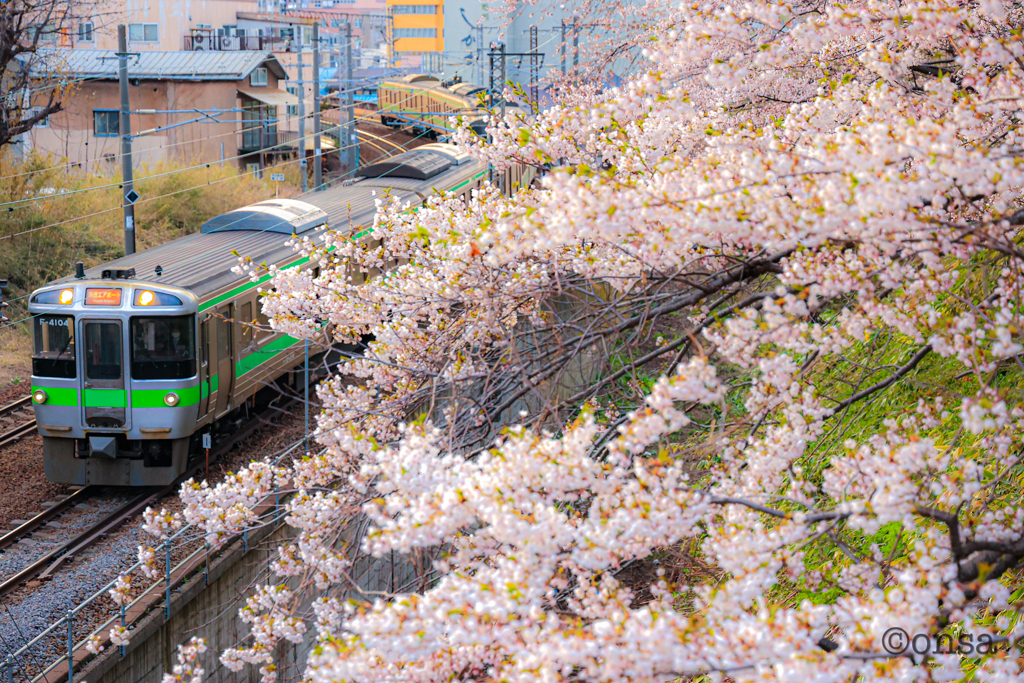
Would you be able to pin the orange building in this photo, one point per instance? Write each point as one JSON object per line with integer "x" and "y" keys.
{"x": 418, "y": 32}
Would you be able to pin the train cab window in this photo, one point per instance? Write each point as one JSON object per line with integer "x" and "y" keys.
{"x": 103, "y": 351}
{"x": 54, "y": 347}
{"x": 163, "y": 347}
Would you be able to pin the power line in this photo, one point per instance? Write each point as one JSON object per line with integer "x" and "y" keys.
{"x": 141, "y": 201}
{"x": 150, "y": 199}
{"x": 158, "y": 175}
{"x": 22, "y": 202}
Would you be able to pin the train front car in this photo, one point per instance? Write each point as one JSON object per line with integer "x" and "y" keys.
{"x": 115, "y": 381}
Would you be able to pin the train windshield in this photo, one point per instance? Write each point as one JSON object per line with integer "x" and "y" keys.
{"x": 164, "y": 347}
{"x": 54, "y": 347}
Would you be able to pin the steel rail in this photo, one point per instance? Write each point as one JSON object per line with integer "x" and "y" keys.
{"x": 59, "y": 556}
{"x": 22, "y": 402}
{"x": 46, "y": 566}
{"x": 18, "y": 433}
{"x": 22, "y": 430}
{"x": 44, "y": 517}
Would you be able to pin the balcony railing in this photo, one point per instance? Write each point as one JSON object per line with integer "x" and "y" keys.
{"x": 199, "y": 41}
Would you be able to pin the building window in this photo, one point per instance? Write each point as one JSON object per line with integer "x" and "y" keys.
{"x": 204, "y": 27}
{"x": 415, "y": 33}
{"x": 43, "y": 122}
{"x": 85, "y": 32}
{"x": 254, "y": 169}
{"x": 259, "y": 77}
{"x": 143, "y": 33}
{"x": 293, "y": 109}
{"x": 415, "y": 9}
{"x": 105, "y": 123}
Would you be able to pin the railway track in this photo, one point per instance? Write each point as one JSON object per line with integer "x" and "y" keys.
{"x": 53, "y": 561}
{"x": 50, "y": 563}
{"x": 19, "y": 431}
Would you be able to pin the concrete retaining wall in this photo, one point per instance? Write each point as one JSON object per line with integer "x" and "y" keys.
{"x": 211, "y": 611}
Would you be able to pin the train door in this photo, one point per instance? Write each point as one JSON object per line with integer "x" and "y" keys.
{"x": 225, "y": 360}
{"x": 104, "y": 400}
{"x": 204, "y": 368}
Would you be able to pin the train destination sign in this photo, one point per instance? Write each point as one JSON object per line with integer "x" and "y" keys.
{"x": 102, "y": 297}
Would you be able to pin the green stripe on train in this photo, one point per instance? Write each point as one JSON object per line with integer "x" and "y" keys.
{"x": 59, "y": 396}
{"x": 105, "y": 398}
{"x": 154, "y": 398}
{"x": 213, "y": 387}
{"x": 265, "y": 354}
{"x": 227, "y": 296}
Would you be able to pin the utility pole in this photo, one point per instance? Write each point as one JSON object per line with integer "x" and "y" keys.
{"x": 351, "y": 143}
{"x": 564, "y": 70}
{"x": 496, "y": 79}
{"x": 533, "y": 69}
{"x": 318, "y": 172}
{"x": 496, "y": 89}
{"x": 501, "y": 92}
{"x": 480, "y": 52}
{"x": 128, "y": 194}
{"x": 575, "y": 44}
{"x": 342, "y": 121}
{"x": 389, "y": 32}
{"x": 302, "y": 121}
{"x": 3, "y": 304}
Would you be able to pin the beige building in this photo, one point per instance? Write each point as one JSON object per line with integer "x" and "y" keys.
{"x": 190, "y": 106}
{"x": 232, "y": 29}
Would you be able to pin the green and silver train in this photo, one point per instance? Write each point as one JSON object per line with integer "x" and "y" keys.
{"x": 135, "y": 359}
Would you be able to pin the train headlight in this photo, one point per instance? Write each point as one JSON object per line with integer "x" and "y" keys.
{"x": 39, "y": 396}
{"x": 171, "y": 399}
{"x": 67, "y": 296}
{"x": 146, "y": 298}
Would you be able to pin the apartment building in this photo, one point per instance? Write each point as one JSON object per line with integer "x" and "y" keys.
{"x": 418, "y": 33}
{"x": 282, "y": 28}
{"x": 186, "y": 105}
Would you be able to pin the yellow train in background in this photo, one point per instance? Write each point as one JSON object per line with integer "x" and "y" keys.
{"x": 424, "y": 104}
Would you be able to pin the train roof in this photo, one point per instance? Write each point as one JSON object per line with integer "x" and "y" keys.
{"x": 286, "y": 216}
{"x": 422, "y": 163}
{"x": 202, "y": 262}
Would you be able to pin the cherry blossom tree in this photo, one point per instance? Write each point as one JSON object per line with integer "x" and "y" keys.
{"x": 732, "y": 391}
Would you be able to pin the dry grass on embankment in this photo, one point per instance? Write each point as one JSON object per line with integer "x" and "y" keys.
{"x": 74, "y": 216}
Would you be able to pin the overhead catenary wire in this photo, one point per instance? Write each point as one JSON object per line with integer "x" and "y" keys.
{"x": 226, "y": 133}
{"x": 169, "y": 194}
{"x": 61, "y": 195}
{"x": 104, "y": 211}
{"x": 28, "y": 200}
{"x": 150, "y": 199}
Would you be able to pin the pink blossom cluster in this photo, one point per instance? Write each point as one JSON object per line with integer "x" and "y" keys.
{"x": 796, "y": 184}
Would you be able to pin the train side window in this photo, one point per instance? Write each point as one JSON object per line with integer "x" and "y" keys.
{"x": 204, "y": 342}
{"x": 246, "y": 324}
{"x": 223, "y": 340}
{"x": 262, "y": 321}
